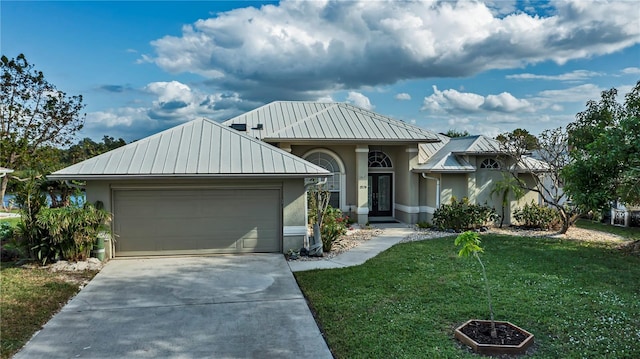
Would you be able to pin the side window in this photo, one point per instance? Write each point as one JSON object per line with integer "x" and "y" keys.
{"x": 490, "y": 163}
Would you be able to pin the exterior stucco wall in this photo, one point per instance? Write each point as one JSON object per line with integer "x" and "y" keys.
{"x": 530, "y": 196}
{"x": 406, "y": 185}
{"x": 292, "y": 191}
{"x": 453, "y": 185}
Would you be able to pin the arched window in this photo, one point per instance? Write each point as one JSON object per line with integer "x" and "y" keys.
{"x": 379, "y": 159}
{"x": 490, "y": 163}
{"x": 334, "y": 183}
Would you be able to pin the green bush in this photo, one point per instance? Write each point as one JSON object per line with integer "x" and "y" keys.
{"x": 6, "y": 231}
{"x": 48, "y": 234}
{"x": 72, "y": 230}
{"x": 462, "y": 215}
{"x": 333, "y": 226}
{"x": 535, "y": 216}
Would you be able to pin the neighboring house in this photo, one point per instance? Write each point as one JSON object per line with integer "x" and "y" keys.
{"x": 239, "y": 186}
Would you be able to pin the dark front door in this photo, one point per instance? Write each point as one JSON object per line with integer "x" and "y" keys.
{"x": 380, "y": 199}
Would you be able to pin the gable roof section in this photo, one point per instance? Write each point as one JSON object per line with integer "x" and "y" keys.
{"x": 445, "y": 160}
{"x": 447, "y": 157}
{"x": 200, "y": 148}
{"x": 319, "y": 121}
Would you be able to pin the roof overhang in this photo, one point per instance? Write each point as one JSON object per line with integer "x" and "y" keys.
{"x": 370, "y": 141}
{"x": 118, "y": 177}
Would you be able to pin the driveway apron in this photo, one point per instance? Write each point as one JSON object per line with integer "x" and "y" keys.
{"x": 235, "y": 306}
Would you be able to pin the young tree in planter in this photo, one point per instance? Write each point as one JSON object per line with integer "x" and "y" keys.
{"x": 470, "y": 242}
{"x": 33, "y": 115}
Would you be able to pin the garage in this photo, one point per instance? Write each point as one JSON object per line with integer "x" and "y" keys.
{"x": 197, "y": 221}
{"x": 199, "y": 188}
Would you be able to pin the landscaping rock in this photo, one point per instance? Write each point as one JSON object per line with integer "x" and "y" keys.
{"x": 64, "y": 266}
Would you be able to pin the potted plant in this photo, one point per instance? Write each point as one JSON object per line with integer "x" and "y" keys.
{"x": 488, "y": 336}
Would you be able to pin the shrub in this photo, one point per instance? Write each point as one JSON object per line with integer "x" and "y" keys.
{"x": 333, "y": 226}
{"x": 462, "y": 215}
{"x": 48, "y": 234}
{"x": 72, "y": 230}
{"x": 6, "y": 231}
{"x": 535, "y": 216}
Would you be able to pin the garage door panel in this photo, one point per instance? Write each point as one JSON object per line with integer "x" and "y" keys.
{"x": 197, "y": 221}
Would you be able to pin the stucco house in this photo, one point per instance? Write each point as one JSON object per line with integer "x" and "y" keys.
{"x": 240, "y": 186}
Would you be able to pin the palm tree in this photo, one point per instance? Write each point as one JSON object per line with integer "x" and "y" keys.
{"x": 509, "y": 184}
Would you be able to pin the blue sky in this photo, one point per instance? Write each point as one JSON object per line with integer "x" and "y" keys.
{"x": 485, "y": 67}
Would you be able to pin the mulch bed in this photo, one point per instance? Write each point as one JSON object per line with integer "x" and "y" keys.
{"x": 481, "y": 333}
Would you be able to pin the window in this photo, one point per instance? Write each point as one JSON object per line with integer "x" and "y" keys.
{"x": 490, "y": 163}
{"x": 379, "y": 159}
{"x": 330, "y": 163}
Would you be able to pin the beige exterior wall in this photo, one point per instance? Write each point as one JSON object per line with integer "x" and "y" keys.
{"x": 293, "y": 201}
{"x": 453, "y": 185}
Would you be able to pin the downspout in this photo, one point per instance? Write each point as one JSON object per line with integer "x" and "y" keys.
{"x": 424, "y": 175}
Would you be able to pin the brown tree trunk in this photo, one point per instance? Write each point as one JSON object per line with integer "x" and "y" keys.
{"x": 3, "y": 189}
{"x": 566, "y": 221}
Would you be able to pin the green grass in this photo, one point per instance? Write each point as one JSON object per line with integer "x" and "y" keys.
{"x": 12, "y": 221}
{"x": 632, "y": 233}
{"x": 28, "y": 299}
{"x": 579, "y": 299}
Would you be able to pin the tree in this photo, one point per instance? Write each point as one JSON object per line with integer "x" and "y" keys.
{"x": 605, "y": 152}
{"x": 87, "y": 148}
{"x": 456, "y": 133}
{"x": 503, "y": 188}
{"x": 519, "y": 141}
{"x": 33, "y": 115}
{"x": 553, "y": 153}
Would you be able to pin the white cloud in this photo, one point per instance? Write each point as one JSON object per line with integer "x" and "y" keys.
{"x": 453, "y": 101}
{"x": 359, "y": 100}
{"x": 505, "y": 102}
{"x": 403, "y": 96}
{"x": 581, "y": 93}
{"x": 173, "y": 103}
{"x": 307, "y": 49}
{"x": 578, "y": 75}
{"x": 631, "y": 71}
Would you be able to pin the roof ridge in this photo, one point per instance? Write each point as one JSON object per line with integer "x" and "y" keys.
{"x": 388, "y": 119}
{"x": 305, "y": 119}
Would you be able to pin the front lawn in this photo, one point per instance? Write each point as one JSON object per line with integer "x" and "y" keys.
{"x": 28, "y": 299}
{"x": 579, "y": 299}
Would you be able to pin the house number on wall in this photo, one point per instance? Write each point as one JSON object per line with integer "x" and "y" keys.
{"x": 363, "y": 187}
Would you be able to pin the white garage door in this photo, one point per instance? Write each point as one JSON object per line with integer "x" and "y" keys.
{"x": 197, "y": 221}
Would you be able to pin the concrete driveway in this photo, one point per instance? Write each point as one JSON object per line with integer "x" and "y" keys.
{"x": 236, "y": 306}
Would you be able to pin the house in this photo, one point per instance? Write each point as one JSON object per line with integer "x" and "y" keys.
{"x": 382, "y": 169}
{"x": 240, "y": 186}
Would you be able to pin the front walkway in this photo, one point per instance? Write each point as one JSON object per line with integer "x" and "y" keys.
{"x": 392, "y": 234}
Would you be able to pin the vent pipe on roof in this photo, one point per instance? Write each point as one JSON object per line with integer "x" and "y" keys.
{"x": 239, "y": 127}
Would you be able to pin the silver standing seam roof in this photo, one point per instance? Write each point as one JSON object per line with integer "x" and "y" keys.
{"x": 327, "y": 121}
{"x": 448, "y": 157}
{"x": 200, "y": 148}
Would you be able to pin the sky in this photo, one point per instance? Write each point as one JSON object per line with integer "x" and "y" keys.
{"x": 486, "y": 67}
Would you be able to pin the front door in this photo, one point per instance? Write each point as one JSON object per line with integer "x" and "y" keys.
{"x": 380, "y": 191}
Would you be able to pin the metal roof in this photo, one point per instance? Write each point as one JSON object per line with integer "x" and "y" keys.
{"x": 447, "y": 157}
{"x": 326, "y": 121}
{"x": 198, "y": 148}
